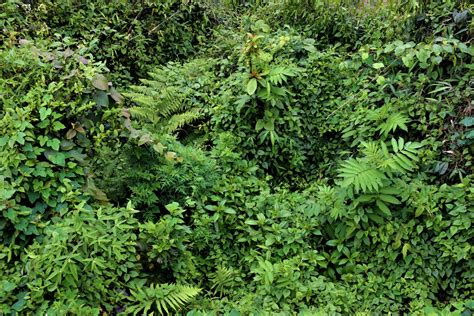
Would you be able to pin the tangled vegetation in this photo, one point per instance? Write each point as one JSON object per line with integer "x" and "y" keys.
{"x": 236, "y": 157}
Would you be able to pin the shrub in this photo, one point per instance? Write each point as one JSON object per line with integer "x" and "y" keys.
{"x": 47, "y": 132}
{"x": 129, "y": 36}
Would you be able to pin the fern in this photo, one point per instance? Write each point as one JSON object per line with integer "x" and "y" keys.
{"x": 169, "y": 100}
{"x": 163, "y": 298}
{"x": 177, "y": 121}
{"x": 367, "y": 174}
{"x": 394, "y": 122}
{"x": 404, "y": 155}
{"x": 278, "y": 75}
{"x": 373, "y": 152}
{"x": 223, "y": 278}
{"x": 363, "y": 176}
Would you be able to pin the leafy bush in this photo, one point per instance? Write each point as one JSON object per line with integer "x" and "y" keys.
{"x": 129, "y": 35}
{"x": 307, "y": 158}
{"x": 89, "y": 263}
{"x": 46, "y": 136}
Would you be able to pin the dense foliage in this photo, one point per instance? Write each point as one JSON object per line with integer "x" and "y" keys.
{"x": 236, "y": 158}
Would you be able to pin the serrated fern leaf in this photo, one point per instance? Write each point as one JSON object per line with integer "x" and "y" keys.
{"x": 394, "y": 122}
{"x": 373, "y": 152}
{"x": 144, "y": 113}
{"x": 179, "y": 120}
{"x": 222, "y": 278}
{"x": 169, "y": 99}
{"x": 278, "y": 75}
{"x": 164, "y": 103}
{"x": 163, "y": 298}
{"x": 404, "y": 156}
{"x": 363, "y": 176}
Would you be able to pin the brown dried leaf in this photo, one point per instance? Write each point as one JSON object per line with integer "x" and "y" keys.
{"x": 57, "y": 64}
{"x": 126, "y": 112}
{"x": 23, "y": 41}
{"x": 71, "y": 74}
{"x": 116, "y": 95}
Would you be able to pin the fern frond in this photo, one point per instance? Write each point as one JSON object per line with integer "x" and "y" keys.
{"x": 278, "y": 75}
{"x": 404, "y": 157}
{"x": 162, "y": 298}
{"x": 363, "y": 176}
{"x": 222, "y": 278}
{"x": 171, "y": 96}
{"x": 394, "y": 122}
{"x": 373, "y": 152}
{"x": 179, "y": 120}
{"x": 145, "y": 113}
{"x": 165, "y": 102}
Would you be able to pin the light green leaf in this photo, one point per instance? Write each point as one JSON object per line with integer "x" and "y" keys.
{"x": 44, "y": 112}
{"x": 405, "y": 249}
{"x": 378, "y": 65}
{"x": 252, "y": 86}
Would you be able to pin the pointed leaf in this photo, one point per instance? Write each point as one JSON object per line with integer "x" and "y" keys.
{"x": 252, "y": 86}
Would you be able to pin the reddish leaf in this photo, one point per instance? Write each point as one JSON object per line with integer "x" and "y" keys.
{"x": 83, "y": 60}
{"x": 126, "y": 113}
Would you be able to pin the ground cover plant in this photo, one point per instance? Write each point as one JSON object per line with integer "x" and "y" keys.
{"x": 236, "y": 157}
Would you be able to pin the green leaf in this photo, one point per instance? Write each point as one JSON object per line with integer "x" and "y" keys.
{"x": 383, "y": 207}
{"x": 57, "y": 126}
{"x": 423, "y": 55}
{"x": 100, "y": 82}
{"x": 419, "y": 211}
{"x": 436, "y": 60}
{"x": 405, "y": 249}
{"x": 19, "y": 305}
{"x": 42, "y": 140}
{"x": 251, "y": 222}
{"x": 467, "y": 121}
{"x": 252, "y": 86}
{"x": 389, "y": 199}
{"x": 44, "y": 112}
{"x": 378, "y": 65}
{"x": 57, "y": 158}
{"x": 259, "y": 125}
{"x": 394, "y": 145}
{"x": 101, "y": 98}
{"x": 5, "y": 194}
{"x": 376, "y": 218}
{"x": 53, "y": 143}
{"x": 408, "y": 61}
